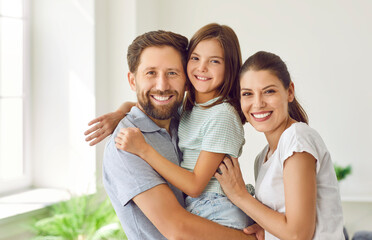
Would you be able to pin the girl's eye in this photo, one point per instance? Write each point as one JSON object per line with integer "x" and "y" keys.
{"x": 194, "y": 58}
{"x": 215, "y": 61}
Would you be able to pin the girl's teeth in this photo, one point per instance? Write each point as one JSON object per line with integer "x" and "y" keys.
{"x": 262, "y": 115}
{"x": 201, "y": 78}
{"x": 160, "y": 98}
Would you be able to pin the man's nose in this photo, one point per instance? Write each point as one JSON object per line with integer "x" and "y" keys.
{"x": 162, "y": 82}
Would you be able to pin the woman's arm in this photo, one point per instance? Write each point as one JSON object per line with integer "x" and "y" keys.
{"x": 191, "y": 183}
{"x": 300, "y": 197}
{"x": 106, "y": 124}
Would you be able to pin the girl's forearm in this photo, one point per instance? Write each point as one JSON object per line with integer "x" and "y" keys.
{"x": 125, "y": 107}
{"x": 187, "y": 181}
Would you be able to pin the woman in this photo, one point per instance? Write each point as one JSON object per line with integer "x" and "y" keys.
{"x": 297, "y": 193}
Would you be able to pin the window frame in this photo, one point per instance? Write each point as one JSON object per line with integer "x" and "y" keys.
{"x": 25, "y": 181}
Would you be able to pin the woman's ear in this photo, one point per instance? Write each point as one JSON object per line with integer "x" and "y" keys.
{"x": 291, "y": 92}
{"x": 132, "y": 81}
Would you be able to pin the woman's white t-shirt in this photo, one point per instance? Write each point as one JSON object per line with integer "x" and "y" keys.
{"x": 299, "y": 137}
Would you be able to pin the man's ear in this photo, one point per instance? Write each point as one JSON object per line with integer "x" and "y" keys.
{"x": 291, "y": 92}
{"x": 132, "y": 81}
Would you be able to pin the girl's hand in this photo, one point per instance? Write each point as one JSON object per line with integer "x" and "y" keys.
{"x": 131, "y": 140}
{"x": 257, "y": 230}
{"x": 104, "y": 126}
{"x": 230, "y": 178}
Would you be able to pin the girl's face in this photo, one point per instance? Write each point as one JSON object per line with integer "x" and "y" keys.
{"x": 206, "y": 69}
{"x": 264, "y": 100}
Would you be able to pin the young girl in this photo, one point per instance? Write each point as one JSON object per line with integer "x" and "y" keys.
{"x": 296, "y": 186}
{"x": 210, "y": 127}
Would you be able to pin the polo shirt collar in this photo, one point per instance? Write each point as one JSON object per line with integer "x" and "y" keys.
{"x": 143, "y": 122}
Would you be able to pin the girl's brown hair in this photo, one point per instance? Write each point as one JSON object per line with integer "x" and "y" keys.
{"x": 273, "y": 63}
{"x": 229, "y": 90}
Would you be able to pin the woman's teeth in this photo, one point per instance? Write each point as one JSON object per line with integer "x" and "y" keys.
{"x": 261, "y": 115}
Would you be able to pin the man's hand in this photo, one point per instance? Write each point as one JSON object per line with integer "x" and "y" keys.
{"x": 256, "y": 230}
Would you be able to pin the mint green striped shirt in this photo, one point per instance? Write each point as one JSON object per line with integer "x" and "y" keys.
{"x": 216, "y": 129}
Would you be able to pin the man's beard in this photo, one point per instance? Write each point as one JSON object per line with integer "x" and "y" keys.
{"x": 159, "y": 112}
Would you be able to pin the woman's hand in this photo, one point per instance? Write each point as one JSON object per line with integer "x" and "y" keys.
{"x": 230, "y": 178}
{"x": 104, "y": 126}
{"x": 257, "y": 230}
{"x": 131, "y": 140}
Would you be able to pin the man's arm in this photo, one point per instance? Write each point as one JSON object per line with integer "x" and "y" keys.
{"x": 162, "y": 208}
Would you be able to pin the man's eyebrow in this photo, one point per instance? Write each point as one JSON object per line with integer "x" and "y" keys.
{"x": 168, "y": 69}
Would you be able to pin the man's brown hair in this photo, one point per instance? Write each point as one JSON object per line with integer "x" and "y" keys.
{"x": 155, "y": 39}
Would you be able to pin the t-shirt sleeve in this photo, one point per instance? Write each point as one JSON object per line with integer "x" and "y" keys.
{"x": 126, "y": 175}
{"x": 223, "y": 133}
{"x": 301, "y": 139}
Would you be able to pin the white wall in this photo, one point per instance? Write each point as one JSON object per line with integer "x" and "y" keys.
{"x": 63, "y": 100}
{"x": 326, "y": 45}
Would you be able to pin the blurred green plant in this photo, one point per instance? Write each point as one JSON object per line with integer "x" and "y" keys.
{"x": 80, "y": 218}
{"x": 342, "y": 172}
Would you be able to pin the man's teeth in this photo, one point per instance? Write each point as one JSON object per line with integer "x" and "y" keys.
{"x": 162, "y": 98}
{"x": 261, "y": 115}
{"x": 201, "y": 78}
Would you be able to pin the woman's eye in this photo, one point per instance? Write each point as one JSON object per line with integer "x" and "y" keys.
{"x": 172, "y": 73}
{"x": 246, "y": 94}
{"x": 270, "y": 91}
{"x": 215, "y": 61}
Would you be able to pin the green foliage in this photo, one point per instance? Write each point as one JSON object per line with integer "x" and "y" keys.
{"x": 342, "y": 172}
{"x": 81, "y": 218}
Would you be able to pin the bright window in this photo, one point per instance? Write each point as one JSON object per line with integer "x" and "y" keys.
{"x": 13, "y": 79}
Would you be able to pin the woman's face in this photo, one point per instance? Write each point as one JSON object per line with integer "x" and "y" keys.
{"x": 206, "y": 69}
{"x": 264, "y": 100}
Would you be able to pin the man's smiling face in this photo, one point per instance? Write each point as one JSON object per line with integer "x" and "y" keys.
{"x": 159, "y": 82}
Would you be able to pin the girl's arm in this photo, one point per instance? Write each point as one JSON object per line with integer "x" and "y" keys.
{"x": 106, "y": 124}
{"x": 191, "y": 183}
{"x": 299, "y": 177}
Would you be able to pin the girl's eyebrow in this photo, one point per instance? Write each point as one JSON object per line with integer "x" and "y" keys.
{"x": 194, "y": 53}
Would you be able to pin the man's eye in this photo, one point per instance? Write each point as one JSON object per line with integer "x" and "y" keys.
{"x": 150, "y": 73}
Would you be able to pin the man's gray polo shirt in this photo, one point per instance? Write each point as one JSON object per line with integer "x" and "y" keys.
{"x": 126, "y": 175}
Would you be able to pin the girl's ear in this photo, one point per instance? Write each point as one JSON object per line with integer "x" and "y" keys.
{"x": 291, "y": 92}
{"x": 132, "y": 81}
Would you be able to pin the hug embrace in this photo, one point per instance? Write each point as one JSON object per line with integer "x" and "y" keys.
{"x": 171, "y": 166}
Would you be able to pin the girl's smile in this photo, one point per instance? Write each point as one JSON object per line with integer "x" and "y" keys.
{"x": 206, "y": 69}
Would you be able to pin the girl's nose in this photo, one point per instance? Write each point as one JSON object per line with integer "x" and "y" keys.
{"x": 202, "y": 67}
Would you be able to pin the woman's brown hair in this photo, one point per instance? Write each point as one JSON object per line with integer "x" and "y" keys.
{"x": 229, "y": 90}
{"x": 273, "y": 63}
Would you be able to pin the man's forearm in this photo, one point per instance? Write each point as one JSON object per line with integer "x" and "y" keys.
{"x": 194, "y": 227}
